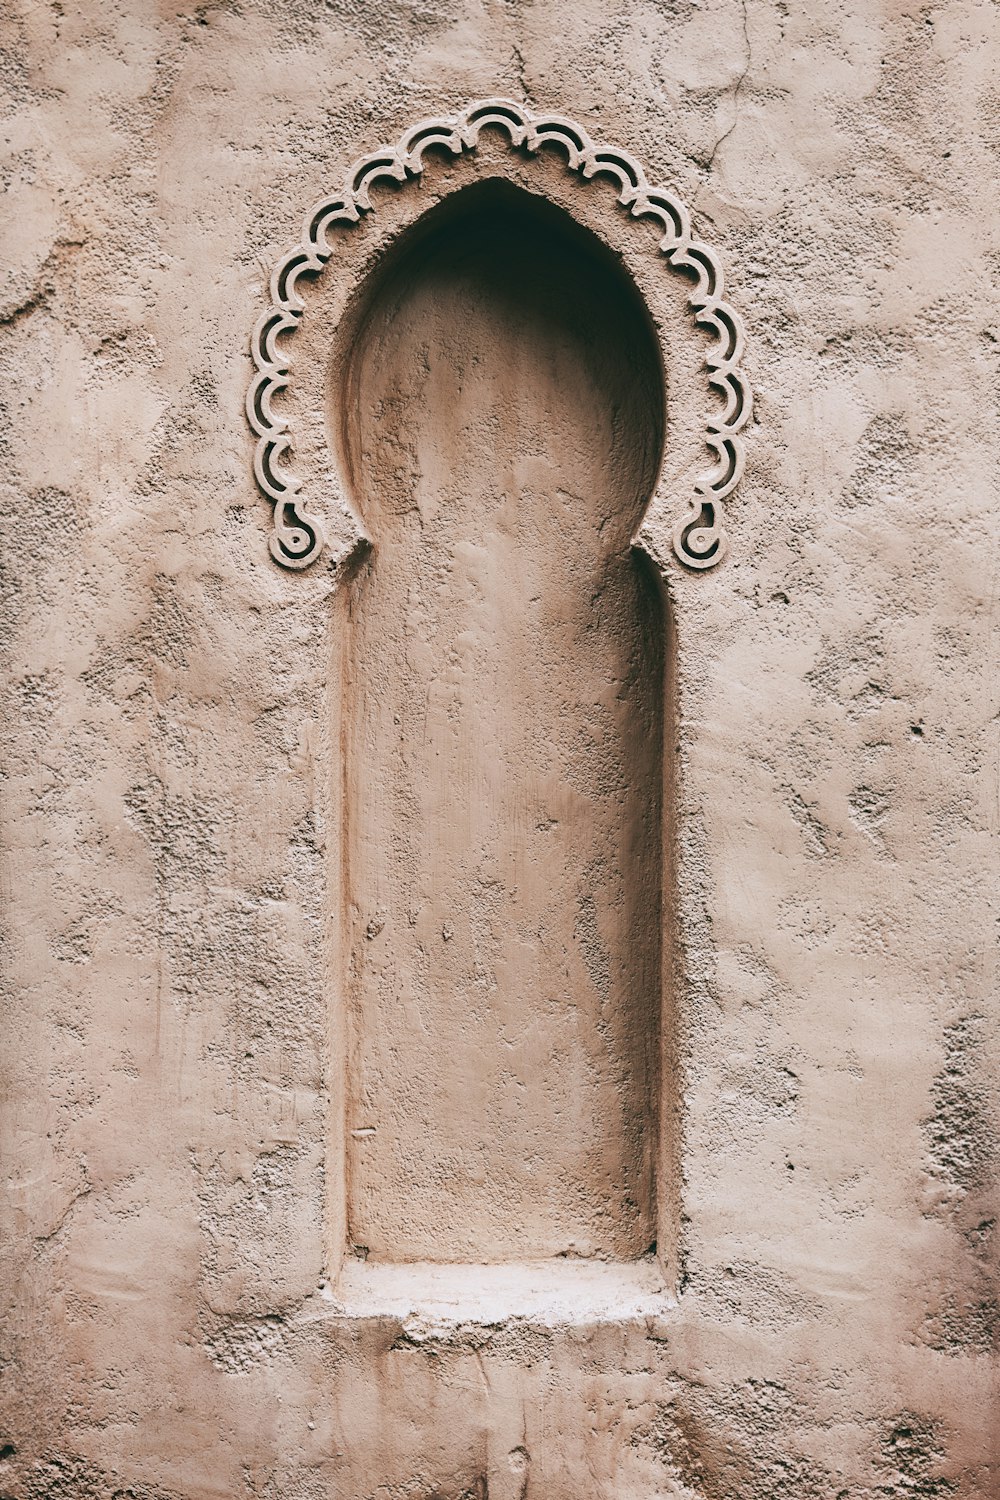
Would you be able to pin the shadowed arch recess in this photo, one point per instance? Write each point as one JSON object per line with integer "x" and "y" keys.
{"x": 499, "y": 415}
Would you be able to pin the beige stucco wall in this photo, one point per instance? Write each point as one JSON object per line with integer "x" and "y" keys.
{"x": 167, "y": 1330}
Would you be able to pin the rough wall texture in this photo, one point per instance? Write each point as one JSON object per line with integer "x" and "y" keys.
{"x": 167, "y": 1333}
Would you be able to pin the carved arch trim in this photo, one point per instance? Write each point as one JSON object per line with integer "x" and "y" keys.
{"x": 699, "y": 537}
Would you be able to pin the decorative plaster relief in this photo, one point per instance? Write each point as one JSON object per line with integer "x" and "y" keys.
{"x": 699, "y": 537}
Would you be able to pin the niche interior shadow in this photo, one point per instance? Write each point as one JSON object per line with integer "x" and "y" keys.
{"x": 498, "y": 407}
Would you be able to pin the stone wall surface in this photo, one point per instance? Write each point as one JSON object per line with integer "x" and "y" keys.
{"x": 170, "y": 1325}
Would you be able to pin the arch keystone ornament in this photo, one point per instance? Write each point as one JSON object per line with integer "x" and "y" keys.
{"x": 699, "y": 537}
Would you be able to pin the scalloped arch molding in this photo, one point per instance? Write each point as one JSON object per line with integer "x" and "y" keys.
{"x": 699, "y": 536}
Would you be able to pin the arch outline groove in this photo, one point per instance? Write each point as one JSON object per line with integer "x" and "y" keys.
{"x": 698, "y": 536}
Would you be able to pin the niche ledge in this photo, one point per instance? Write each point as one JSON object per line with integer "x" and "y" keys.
{"x": 547, "y": 1293}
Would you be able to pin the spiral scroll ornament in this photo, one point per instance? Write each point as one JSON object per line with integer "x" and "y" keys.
{"x": 699, "y": 537}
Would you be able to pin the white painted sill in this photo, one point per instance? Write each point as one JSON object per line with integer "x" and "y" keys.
{"x": 545, "y": 1292}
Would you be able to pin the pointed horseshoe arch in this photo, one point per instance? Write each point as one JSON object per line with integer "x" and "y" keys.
{"x": 698, "y": 534}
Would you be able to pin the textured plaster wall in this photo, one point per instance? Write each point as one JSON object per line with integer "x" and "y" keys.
{"x": 166, "y": 1330}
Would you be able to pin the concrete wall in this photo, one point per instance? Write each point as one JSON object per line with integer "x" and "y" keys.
{"x": 168, "y": 1329}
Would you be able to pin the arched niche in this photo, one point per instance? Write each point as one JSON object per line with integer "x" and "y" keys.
{"x": 394, "y": 203}
{"x": 496, "y": 405}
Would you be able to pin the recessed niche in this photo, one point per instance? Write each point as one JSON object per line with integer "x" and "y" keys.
{"x": 498, "y": 408}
